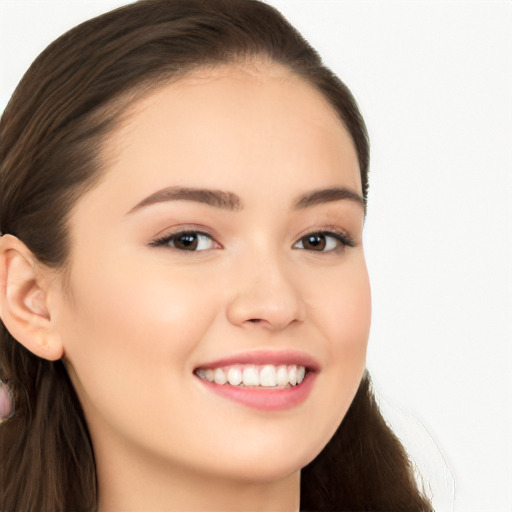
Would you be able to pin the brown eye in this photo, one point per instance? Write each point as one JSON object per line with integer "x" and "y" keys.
{"x": 191, "y": 241}
{"x": 314, "y": 242}
{"x": 186, "y": 241}
{"x": 324, "y": 241}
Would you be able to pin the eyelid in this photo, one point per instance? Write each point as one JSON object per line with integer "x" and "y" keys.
{"x": 341, "y": 236}
{"x": 164, "y": 240}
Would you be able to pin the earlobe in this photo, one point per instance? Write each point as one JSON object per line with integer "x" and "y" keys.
{"x": 24, "y": 305}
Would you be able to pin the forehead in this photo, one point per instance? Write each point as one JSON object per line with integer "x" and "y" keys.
{"x": 231, "y": 126}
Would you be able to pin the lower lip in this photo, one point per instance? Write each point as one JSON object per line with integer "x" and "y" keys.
{"x": 265, "y": 399}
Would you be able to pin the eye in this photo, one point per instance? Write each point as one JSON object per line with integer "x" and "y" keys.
{"x": 192, "y": 241}
{"x": 324, "y": 241}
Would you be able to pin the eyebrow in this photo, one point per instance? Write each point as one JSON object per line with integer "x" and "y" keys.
{"x": 215, "y": 198}
{"x": 230, "y": 201}
{"x": 328, "y": 195}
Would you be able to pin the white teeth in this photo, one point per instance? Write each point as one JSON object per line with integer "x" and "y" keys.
{"x": 267, "y": 376}
{"x": 292, "y": 375}
{"x": 301, "y": 373}
{"x": 250, "y": 376}
{"x": 234, "y": 376}
{"x": 219, "y": 376}
{"x": 282, "y": 376}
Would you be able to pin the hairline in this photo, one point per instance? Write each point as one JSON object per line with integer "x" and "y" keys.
{"x": 121, "y": 107}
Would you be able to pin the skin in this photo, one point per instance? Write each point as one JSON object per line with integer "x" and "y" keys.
{"x": 134, "y": 320}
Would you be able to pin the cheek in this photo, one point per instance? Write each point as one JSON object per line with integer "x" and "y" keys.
{"x": 343, "y": 309}
{"x": 127, "y": 327}
{"x": 344, "y": 322}
{"x": 350, "y": 327}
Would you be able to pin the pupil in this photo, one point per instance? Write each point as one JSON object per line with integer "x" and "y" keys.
{"x": 316, "y": 242}
{"x": 187, "y": 241}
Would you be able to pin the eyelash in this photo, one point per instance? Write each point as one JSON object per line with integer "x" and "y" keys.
{"x": 341, "y": 237}
{"x": 166, "y": 239}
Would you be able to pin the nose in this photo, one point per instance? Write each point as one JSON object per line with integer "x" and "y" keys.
{"x": 265, "y": 295}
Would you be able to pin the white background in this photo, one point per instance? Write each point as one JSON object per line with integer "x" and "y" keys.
{"x": 434, "y": 82}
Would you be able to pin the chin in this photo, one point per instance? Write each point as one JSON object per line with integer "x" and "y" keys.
{"x": 263, "y": 471}
{"x": 267, "y": 465}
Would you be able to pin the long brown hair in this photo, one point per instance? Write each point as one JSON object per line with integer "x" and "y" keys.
{"x": 51, "y": 135}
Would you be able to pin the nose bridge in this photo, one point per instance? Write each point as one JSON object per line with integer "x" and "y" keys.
{"x": 264, "y": 290}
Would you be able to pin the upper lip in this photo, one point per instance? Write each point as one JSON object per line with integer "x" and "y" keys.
{"x": 261, "y": 357}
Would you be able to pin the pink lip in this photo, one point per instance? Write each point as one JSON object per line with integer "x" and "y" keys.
{"x": 259, "y": 357}
{"x": 266, "y": 399}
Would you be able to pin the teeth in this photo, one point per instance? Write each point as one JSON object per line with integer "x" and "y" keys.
{"x": 250, "y": 376}
{"x": 292, "y": 375}
{"x": 267, "y": 376}
{"x": 282, "y": 376}
{"x": 301, "y": 373}
{"x": 234, "y": 376}
{"x": 219, "y": 377}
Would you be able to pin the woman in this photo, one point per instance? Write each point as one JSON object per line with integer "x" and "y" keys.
{"x": 185, "y": 301}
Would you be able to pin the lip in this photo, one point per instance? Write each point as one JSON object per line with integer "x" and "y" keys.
{"x": 265, "y": 399}
{"x": 261, "y": 357}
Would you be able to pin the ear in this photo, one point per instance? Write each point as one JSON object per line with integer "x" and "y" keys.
{"x": 25, "y": 287}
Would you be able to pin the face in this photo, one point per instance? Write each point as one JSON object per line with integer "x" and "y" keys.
{"x": 224, "y": 242}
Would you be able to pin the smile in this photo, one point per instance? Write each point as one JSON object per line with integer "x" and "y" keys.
{"x": 266, "y": 376}
{"x": 267, "y": 381}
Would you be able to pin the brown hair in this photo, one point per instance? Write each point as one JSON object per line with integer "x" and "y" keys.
{"x": 51, "y": 135}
